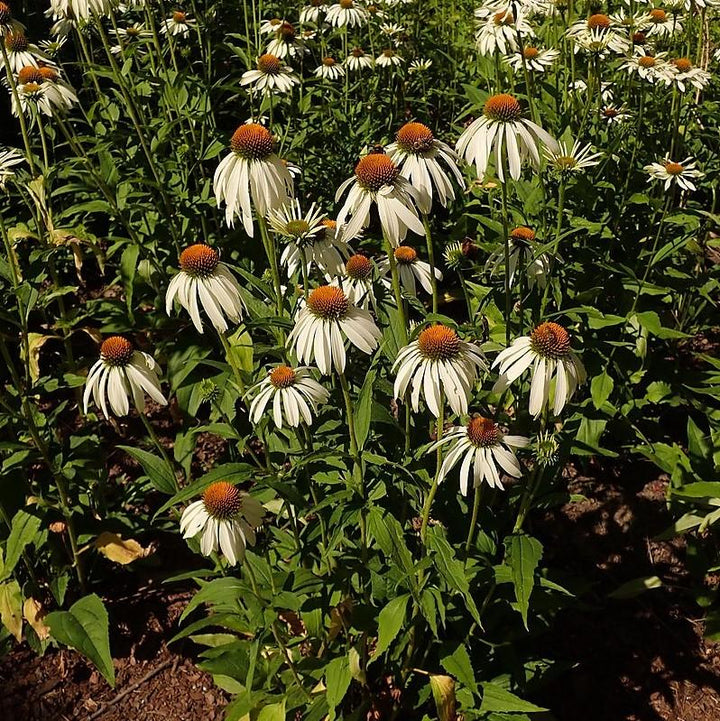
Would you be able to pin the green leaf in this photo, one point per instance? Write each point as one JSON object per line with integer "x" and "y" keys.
{"x": 272, "y": 712}
{"x": 601, "y": 388}
{"x": 496, "y": 698}
{"x": 24, "y": 530}
{"x": 698, "y": 446}
{"x": 636, "y": 587}
{"x": 337, "y": 681}
{"x": 85, "y": 628}
{"x": 363, "y": 409}
{"x": 459, "y": 665}
{"x": 390, "y": 621}
{"x": 155, "y": 469}
{"x": 523, "y": 553}
{"x": 11, "y": 608}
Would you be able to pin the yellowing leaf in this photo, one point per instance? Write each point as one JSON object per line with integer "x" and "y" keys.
{"x": 123, "y": 552}
{"x": 443, "y": 690}
{"x": 34, "y": 614}
{"x": 11, "y": 608}
{"x": 35, "y": 343}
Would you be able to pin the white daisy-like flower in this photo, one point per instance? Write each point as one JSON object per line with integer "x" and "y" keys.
{"x": 615, "y": 114}
{"x": 311, "y": 239}
{"x": 9, "y": 158}
{"x": 204, "y": 282}
{"x": 324, "y": 322}
{"x": 81, "y": 9}
{"x": 270, "y": 75}
{"x": 411, "y": 270}
{"x": 120, "y": 373}
{"x": 346, "y": 13}
{"x": 227, "y": 519}
{"x": 653, "y": 68}
{"x": 20, "y": 52}
{"x": 312, "y": 12}
{"x": 356, "y": 281}
{"x": 659, "y": 23}
{"x": 682, "y": 174}
{"x": 393, "y": 31}
{"x": 294, "y": 393}
{"x": 425, "y": 162}
{"x": 388, "y": 58}
{"x": 536, "y": 268}
{"x": 486, "y": 452}
{"x": 378, "y": 181}
{"x": 286, "y": 42}
{"x": 438, "y": 364}
{"x": 598, "y": 34}
{"x": 32, "y": 97}
{"x": 251, "y": 175}
{"x": 503, "y": 131}
{"x": 357, "y": 60}
{"x": 330, "y": 69}
{"x": 58, "y": 92}
{"x": 499, "y": 32}
{"x": 129, "y": 36}
{"x": 419, "y": 65}
{"x": 178, "y": 25}
{"x": 572, "y": 160}
{"x": 688, "y": 76}
{"x": 8, "y": 24}
{"x": 534, "y": 59}
{"x": 51, "y": 48}
{"x": 606, "y": 89}
{"x": 268, "y": 27}
{"x": 547, "y": 350}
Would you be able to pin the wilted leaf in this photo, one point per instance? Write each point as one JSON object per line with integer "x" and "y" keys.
{"x": 443, "y": 691}
{"x": 34, "y": 614}
{"x": 11, "y": 608}
{"x": 35, "y": 343}
{"x": 116, "y": 549}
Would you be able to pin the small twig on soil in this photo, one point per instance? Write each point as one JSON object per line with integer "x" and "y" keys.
{"x": 130, "y": 689}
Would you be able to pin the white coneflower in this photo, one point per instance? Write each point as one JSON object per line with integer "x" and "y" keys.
{"x": 346, "y": 13}
{"x": 330, "y": 69}
{"x": 615, "y": 114}
{"x": 420, "y": 65}
{"x": 312, "y": 239}
{"x": 122, "y": 371}
{"x": 311, "y": 13}
{"x": 322, "y": 325}
{"x": 294, "y": 393}
{"x": 377, "y": 181}
{"x": 486, "y": 452}
{"x": 438, "y": 363}
{"x": 31, "y": 94}
{"x": 59, "y": 93}
{"x": 9, "y": 158}
{"x": 425, "y": 162}
{"x": 82, "y": 10}
{"x": 500, "y": 31}
{"x": 51, "y": 48}
{"x": 286, "y": 42}
{"x": 410, "y": 268}
{"x": 661, "y": 24}
{"x": 21, "y": 53}
{"x": 653, "y": 68}
{"x": 227, "y": 519}
{"x": 268, "y": 27}
{"x": 388, "y": 58}
{"x": 682, "y": 174}
{"x": 606, "y": 89}
{"x": 251, "y": 174}
{"x": 178, "y": 25}
{"x": 204, "y": 282}
{"x": 271, "y": 74}
{"x": 393, "y": 31}
{"x": 547, "y": 350}
{"x": 8, "y": 24}
{"x": 356, "y": 281}
{"x": 128, "y": 36}
{"x": 534, "y": 59}
{"x": 570, "y": 160}
{"x": 536, "y": 268}
{"x": 688, "y": 76}
{"x": 357, "y": 60}
{"x": 598, "y": 34}
{"x": 503, "y": 131}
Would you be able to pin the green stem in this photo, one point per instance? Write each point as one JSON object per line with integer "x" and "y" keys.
{"x": 431, "y": 262}
{"x": 397, "y": 292}
{"x": 473, "y": 520}
{"x": 438, "y": 464}
{"x": 506, "y": 240}
{"x": 153, "y": 437}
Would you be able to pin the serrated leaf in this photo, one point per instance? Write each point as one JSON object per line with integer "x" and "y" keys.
{"x": 85, "y": 628}
{"x": 390, "y": 621}
{"x": 458, "y": 664}
{"x": 496, "y": 698}
{"x": 523, "y": 553}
